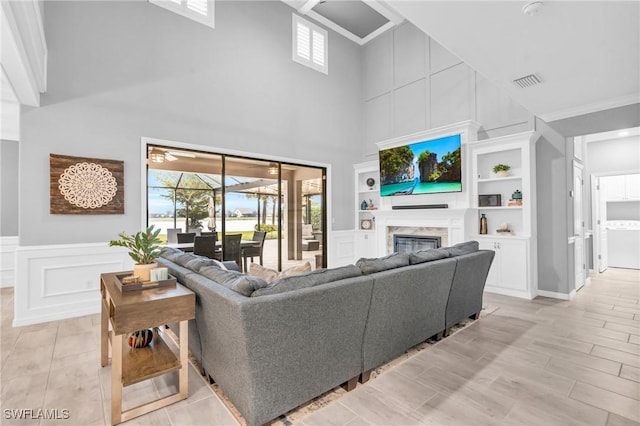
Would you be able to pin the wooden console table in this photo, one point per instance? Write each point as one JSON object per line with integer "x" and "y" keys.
{"x": 125, "y": 312}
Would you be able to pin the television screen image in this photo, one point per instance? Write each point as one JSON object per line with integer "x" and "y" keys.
{"x": 427, "y": 167}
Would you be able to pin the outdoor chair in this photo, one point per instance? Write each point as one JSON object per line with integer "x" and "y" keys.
{"x": 186, "y": 237}
{"x": 172, "y": 235}
{"x": 253, "y": 251}
{"x": 231, "y": 249}
{"x": 205, "y": 246}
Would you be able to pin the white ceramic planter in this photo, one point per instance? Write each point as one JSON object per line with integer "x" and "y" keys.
{"x": 143, "y": 271}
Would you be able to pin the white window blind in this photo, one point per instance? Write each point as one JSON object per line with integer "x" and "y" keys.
{"x": 198, "y": 10}
{"x": 309, "y": 44}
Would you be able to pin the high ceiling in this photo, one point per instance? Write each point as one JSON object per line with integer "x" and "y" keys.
{"x": 587, "y": 53}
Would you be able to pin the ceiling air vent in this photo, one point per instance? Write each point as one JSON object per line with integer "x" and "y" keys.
{"x": 527, "y": 81}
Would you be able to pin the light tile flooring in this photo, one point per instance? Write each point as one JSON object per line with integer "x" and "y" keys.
{"x": 540, "y": 362}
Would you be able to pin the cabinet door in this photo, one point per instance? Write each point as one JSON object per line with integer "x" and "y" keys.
{"x": 632, "y": 186}
{"x": 513, "y": 265}
{"x": 492, "y": 278}
{"x": 614, "y": 187}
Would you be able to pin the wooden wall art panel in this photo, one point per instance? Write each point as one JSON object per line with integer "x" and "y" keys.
{"x": 80, "y": 185}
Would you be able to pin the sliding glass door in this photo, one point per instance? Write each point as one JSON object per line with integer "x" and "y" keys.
{"x": 201, "y": 191}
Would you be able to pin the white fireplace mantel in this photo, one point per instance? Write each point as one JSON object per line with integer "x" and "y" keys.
{"x": 452, "y": 219}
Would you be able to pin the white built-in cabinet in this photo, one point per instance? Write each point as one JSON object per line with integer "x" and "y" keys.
{"x": 623, "y": 187}
{"x": 367, "y": 184}
{"x": 514, "y": 268}
{"x": 509, "y": 271}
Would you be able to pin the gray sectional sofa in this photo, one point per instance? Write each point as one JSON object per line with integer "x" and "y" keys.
{"x": 273, "y": 346}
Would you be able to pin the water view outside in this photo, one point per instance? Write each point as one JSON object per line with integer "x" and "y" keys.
{"x": 234, "y": 225}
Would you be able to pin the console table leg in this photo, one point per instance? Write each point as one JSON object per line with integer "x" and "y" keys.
{"x": 116, "y": 379}
{"x": 184, "y": 358}
{"x": 104, "y": 334}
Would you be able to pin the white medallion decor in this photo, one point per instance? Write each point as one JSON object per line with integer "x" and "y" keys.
{"x": 81, "y": 185}
{"x": 87, "y": 185}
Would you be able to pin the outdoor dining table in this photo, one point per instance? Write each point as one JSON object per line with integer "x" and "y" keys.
{"x": 189, "y": 246}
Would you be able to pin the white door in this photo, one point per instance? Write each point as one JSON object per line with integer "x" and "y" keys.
{"x": 578, "y": 227}
{"x": 599, "y": 203}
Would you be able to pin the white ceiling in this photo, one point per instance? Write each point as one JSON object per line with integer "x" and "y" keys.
{"x": 587, "y": 53}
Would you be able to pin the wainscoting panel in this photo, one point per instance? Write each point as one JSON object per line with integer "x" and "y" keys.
{"x": 341, "y": 248}
{"x": 8, "y": 247}
{"x": 58, "y": 282}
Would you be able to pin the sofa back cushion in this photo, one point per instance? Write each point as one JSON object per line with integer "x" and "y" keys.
{"x": 170, "y": 253}
{"x": 234, "y": 280}
{"x": 462, "y": 248}
{"x": 427, "y": 255}
{"x": 201, "y": 261}
{"x": 395, "y": 260}
{"x": 311, "y": 279}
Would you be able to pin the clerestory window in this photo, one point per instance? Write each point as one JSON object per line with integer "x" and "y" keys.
{"x": 310, "y": 44}
{"x": 198, "y": 10}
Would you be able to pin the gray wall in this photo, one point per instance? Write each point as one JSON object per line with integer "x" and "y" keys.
{"x": 411, "y": 84}
{"x": 122, "y": 70}
{"x": 554, "y": 210}
{"x": 9, "y": 154}
{"x": 613, "y": 156}
{"x": 611, "y": 119}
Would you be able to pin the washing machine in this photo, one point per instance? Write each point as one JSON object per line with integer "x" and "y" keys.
{"x": 623, "y": 243}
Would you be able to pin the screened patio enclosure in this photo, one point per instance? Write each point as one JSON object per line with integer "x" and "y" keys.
{"x": 191, "y": 190}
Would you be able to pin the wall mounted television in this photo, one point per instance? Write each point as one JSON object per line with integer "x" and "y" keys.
{"x": 427, "y": 167}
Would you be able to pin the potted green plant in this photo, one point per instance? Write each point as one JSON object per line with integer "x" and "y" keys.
{"x": 144, "y": 247}
{"x": 501, "y": 170}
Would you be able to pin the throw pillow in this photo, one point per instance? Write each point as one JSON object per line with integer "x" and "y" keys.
{"x": 427, "y": 255}
{"x": 296, "y": 270}
{"x": 392, "y": 261}
{"x": 233, "y": 280}
{"x": 462, "y": 248}
{"x": 269, "y": 275}
{"x": 310, "y": 279}
{"x": 266, "y": 274}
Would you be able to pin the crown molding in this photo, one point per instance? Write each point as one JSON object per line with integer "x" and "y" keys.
{"x": 590, "y": 108}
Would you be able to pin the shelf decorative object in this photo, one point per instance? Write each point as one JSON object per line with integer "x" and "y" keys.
{"x": 516, "y": 199}
{"x": 144, "y": 248}
{"x": 483, "y": 224}
{"x": 501, "y": 170}
{"x": 371, "y": 182}
{"x": 140, "y": 338}
{"x": 503, "y": 229}
{"x": 366, "y": 224}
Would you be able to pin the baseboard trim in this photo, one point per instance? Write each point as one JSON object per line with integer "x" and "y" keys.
{"x": 508, "y": 292}
{"x": 62, "y": 281}
{"x": 555, "y": 295}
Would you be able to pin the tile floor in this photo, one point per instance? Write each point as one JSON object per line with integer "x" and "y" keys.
{"x": 540, "y": 362}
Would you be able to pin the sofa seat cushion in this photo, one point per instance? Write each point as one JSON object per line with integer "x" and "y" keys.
{"x": 462, "y": 248}
{"x": 310, "y": 279}
{"x": 427, "y": 255}
{"x": 392, "y": 261}
{"x": 234, "y": 280}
